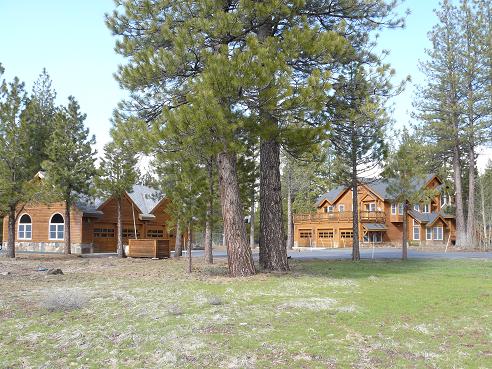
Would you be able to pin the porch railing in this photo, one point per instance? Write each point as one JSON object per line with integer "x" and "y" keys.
{"x": 340, "y": 216}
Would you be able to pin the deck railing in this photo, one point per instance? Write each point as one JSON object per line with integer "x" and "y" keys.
{"x": 340, "y": 216}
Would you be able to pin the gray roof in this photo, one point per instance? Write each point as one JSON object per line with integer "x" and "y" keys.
{"x": 374, "y": 226}
{"x": 331, "y": 196}
{"x": 424, "y": 217}
{"x": 378, "y": 186}
{"x": 145, "y": 198}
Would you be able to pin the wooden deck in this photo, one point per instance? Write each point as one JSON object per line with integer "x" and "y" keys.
{"x": 339, "y": 217}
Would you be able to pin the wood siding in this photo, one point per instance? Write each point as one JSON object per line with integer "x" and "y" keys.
{"x": 324, "y": 229}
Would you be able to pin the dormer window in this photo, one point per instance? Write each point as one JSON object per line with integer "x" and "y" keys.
{"x": 341, "y": 208}
{"x": 400, "y": 208}
{"x": 416, "y": 207}
{"x": 426, "y": 208}
{"x": 329, "y": 209}
{"x": 393, "y": 209}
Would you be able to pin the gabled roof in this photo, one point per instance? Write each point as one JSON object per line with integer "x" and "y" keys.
{"x": 426, "y": 218}
{"x": 145, "y": 198}
{"x": 331, "y": 196}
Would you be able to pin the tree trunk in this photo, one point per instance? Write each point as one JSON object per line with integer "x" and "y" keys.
{"x": 252, "y": 220}
{"x": 11, "y": 232}
{"x": 119, "y": 230}
{"x": 355, "y": 200}
{"x": 209, "y": 258}
{"x": 274, "y": 256}
{"x": 290, "y": 224}
{"x": 404, "y": 244}
{"x": 178, "y": 248}
{"x": 239, "y": 253}
{"x": 355, "y": 219}
{"x": 460, "y": 217}
{"x": 189, "y": 247}
{"x": 484, "y": 218}
{"x": 68, "y": 236}
{"x": 470, "y": 225}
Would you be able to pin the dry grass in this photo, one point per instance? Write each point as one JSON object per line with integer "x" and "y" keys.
{"x": 133, "y": 313}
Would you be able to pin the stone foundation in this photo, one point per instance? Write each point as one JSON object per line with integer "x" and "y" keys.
{"x": 50, "y": 247}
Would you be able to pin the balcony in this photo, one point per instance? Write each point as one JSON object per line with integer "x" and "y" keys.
{"x": 339, "y": 217}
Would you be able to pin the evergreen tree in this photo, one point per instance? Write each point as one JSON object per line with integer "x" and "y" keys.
{"x": 39, "y": 113}
{"x": 70, "y": 164}
{"x": 15, "y": 155}
{"x": 485, "y": 201}
{"x": 117, "y": 175}
{"x": 359, "y": 122}
{"x": 405, "y": 173}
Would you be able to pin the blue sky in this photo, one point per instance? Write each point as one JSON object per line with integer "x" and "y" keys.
{"x": 70, "y": 39}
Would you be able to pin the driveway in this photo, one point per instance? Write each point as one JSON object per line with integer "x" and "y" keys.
{"x": 380, "y": 253}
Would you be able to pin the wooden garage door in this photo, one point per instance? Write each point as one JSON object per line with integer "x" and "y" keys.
{"x": 104, "y": 239}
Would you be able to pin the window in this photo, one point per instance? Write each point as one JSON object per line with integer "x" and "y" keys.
{"x": 346, "y": 234}
{"x": 437, "y": 233}
{"x": 372, "y": 206}
{"x": 25, "y": 228}
{"x": 428, "y": 233}
{"x": 416, "y": 231}
{"x": 329, "y": 209}
{"x": 341, "y": 208}
{"x": 393, "y": 209}
{"x": 325, "y": 234}
{"x": 416, "y": 207}
{"x": 155, "y": 233}
{"x": 400, "y": 208}
{"x": 426, "y": 208}
{"x": 104, "y": 232}
{"x": 130, "y": 233}
{"x": 57, "y": 227}
{"x": 305, "y": 234}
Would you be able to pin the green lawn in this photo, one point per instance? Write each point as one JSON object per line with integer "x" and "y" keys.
{"x": 107, "y": 313}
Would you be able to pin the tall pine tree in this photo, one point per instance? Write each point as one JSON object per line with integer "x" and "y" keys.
{"x": 70, "y": 164}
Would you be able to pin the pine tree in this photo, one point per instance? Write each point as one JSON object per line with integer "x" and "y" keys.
{"x": 70, "y": 164}
{"x": 405, "y": 173}
{"x": 116, "y": 176}
{"x": 359, "y": 122}
{"x": 40, "y": 112}
{"x": 15, "y": 155}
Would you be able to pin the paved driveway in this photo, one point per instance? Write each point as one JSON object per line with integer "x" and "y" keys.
{"x": 384, "y": 253}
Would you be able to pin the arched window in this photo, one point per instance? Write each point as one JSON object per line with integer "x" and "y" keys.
{"x": 25, "y": 228}
{"x": 57, "y": 227}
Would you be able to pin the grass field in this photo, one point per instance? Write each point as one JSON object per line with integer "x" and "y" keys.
{"x": 108, "y": 313}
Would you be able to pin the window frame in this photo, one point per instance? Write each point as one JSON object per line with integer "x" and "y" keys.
{"x": 330, "y": 209}
{"x": 416, "y": 227}
{"x": 57, "y": 228}
{"x": 427, "y": 230}
{"x": 24, "y": 226}
{"x": 394, "y": 208}
{"x": 426, "y": 209}
{"x": 400, "y": 208}
{"x": 435, "y": 235}
{"x": 341, "y": 208}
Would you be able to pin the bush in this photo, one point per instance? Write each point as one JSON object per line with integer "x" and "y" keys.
{"x": 64, "y": 300}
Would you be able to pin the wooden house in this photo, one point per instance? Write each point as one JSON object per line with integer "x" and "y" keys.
{"x": 41, "y": 227}
{"x": 380, "y": 218}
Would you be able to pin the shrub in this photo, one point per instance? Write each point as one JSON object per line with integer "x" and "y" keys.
{"x": 64, "y": 300}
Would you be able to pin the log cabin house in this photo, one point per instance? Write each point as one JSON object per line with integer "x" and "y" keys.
{"x": 380, "y": 219}
{"x": 41, "y": 227}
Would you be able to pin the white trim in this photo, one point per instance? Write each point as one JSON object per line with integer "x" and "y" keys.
{"x": 435, "y": 235}
{"x": 426, "y": 208}
{"x": 341, "y": 208}
{"x": 414, "y": 228}
{"x": 400, "y": 208}
{"x": 416, "y": 207}
{"x": 393, "y": 209}
{"x": 427, "y": 229}
{"x": 330, "y": 208}
{"x": 24, "y": 231}
{"x": 56, "y": 229}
